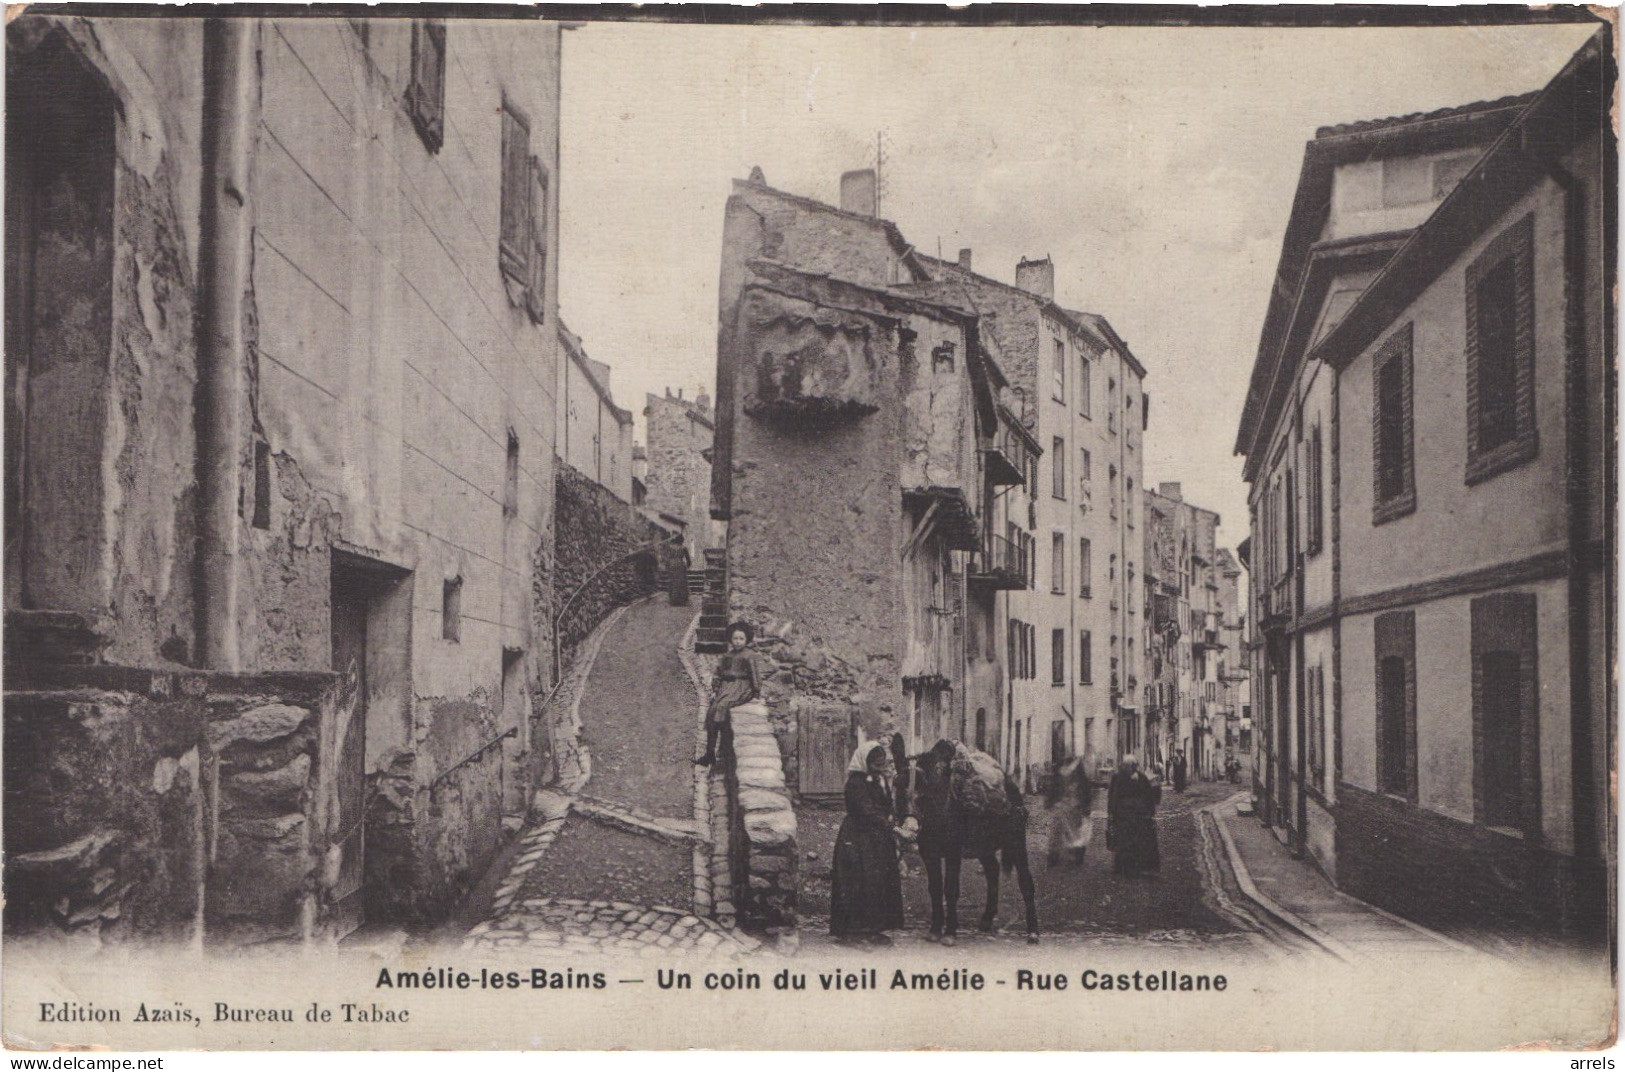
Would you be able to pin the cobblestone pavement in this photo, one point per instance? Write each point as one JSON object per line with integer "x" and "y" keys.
{"x": 619, "y": 857}
{"x": 1077, "y": 904}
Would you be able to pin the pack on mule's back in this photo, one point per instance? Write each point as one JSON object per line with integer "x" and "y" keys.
{"x": 976, "y": 782}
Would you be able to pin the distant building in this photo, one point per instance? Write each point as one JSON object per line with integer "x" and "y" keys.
{"x": 1429, "y": 443}
{"x": 679, "y": 432}
{"x": 1076, "y": 391}
{"x": 595, "y": 434}
{"x": 1192, "y": 591}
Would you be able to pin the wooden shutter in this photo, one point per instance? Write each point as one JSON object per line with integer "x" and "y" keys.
{"x": 514, "y": 248}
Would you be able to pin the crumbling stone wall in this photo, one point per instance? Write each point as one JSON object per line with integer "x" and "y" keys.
{"x": 593, "y": 528}
{"x": 153, "y": 805}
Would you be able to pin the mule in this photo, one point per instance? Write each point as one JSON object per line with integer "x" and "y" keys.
{"x": 949, "y": 835}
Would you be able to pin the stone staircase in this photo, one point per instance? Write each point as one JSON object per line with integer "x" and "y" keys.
{"x": 696, "y": 582}
{"x": 712, "y": 637}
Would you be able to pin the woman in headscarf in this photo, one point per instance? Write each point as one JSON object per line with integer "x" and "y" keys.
{"x": 1131, "y": 823}
{"x": 733, "y": 684}
{"x": 866, "y": 894}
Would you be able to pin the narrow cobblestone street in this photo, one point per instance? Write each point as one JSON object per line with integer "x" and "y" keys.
{"x": 619, "y": 861}
{"x": 1077, "y": 903}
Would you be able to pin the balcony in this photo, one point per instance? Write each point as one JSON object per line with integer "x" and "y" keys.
{"x": 1001, "y": 564}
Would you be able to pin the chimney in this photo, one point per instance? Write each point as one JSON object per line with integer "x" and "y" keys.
{"x": 1169, "y": 489}
{"x": 858, "y": 192}
{"x": 703, "y": 401}
{"x": 679, "y": 394}
{"x": 964, "y": 259}
{"x": 1037, "y": 277}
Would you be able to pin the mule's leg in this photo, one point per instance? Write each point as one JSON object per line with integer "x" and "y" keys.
{"x": 990, "y": 910}
{"x": 1024, "y": 877}
{"x": 951, "y": 892}
{"x": 933, "y": 882}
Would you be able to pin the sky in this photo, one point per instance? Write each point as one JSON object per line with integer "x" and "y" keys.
{"x": 1155, "y": 166}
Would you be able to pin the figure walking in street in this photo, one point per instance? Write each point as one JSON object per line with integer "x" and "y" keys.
{"x": 866, "y": 892}
{"x": 1070, "y": 800}
{"x": 1131, "y": 825}
{"x": 735, "y": 683}
{"x": 1181, "y": 772}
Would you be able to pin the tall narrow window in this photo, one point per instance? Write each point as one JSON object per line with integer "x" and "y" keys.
{"x": 451, "y": 609}
{"x": 1501, "y": 430}
{"x": 1315, "y": 702}
{"x": 1111, "y": 405}
{"x": 426, "y": 91}
{"x": 1058, "y": 473}
{"x": 1060, "y": 371}
{"x": 1394, "y": 486}
{"x": 1085, "y": 568}
{"x": 517, "y": 197}
{"x": 1083, "y": 385}
{"x": 1395, "y": 641}
{"x": 1057, "y": 656}
{"x": 1506, "y": 713}
{"x": 510, "y": 480}
{"x": 1128, "y": 501}
{"x": 1316, "y": 504}
{"x": 1084, "y": 467}
{"x": 1057, "y": 580}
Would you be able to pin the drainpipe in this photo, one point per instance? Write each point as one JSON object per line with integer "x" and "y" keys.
{"x": 229, "y": 75}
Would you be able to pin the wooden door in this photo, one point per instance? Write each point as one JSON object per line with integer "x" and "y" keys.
{"x": 826, "y": 737}
{"x": 349, "y": 624}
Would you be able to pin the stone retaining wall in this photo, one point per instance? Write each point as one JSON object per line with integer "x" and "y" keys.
{"x": 763, "y": 842}
{"x": 592, "y": 528}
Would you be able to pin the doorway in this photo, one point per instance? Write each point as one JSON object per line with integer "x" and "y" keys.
{"x": 370, "y": 615}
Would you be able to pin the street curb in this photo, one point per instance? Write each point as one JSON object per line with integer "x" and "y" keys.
{"x": 1244, "y": 879}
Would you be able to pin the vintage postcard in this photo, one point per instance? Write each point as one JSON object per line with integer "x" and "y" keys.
{"x": 827, "y": 528}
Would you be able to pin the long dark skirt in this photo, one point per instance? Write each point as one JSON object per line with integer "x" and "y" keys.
{"x": 866, "y": 894}
{"x": 729, "y": 695}
{"x": 1134, "y": 844}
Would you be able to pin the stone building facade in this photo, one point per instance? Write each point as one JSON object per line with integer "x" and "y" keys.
{"x": 847, "y": 465}
{"x": 228, "y": 549}
{"x": 1432, "y": 487}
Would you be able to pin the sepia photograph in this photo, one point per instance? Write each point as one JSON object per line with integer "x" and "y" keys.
{"x": 810, "y": 527}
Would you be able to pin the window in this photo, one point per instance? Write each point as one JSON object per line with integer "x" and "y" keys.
{"x": 1128, "y": 502}
{"x": 1501, "y": 355}
{"x": 1057, "y": 562}
{"x": 1128, "y": 592}
{"x": 1111, "y": 405}
{"x": 1316, "y": 504}
{"x": 1060, "y": 371}
{"x": 1111, "y": 487}
{"x": 1506, "y": 713}
{"x": 1058, "y": 472}
{"x": 510, "y": 480}
{"x": 426, "y": 91}
{"x": 262, "y": 484}
{"x": 1057, "y": 653}
{"x": 1023, "y": 659}
{"x": 1083, "y": 471}
{"x": 1083, "y": 385}
{"x": 517, "y": 196}
{"x": 536, "y": 284}
{"x": 1393, "y": 474}
{"x": 451, "y": 610}
{"x": 1084, "y": 568}
{"x": 1396, "y": 703}
{"x": 1315, "y": 712}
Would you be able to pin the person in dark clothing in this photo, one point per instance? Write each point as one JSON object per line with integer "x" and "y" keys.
{"x": 866, "y": 893}
{"x": 1181, "y": 772}
{"x": 733, "y": 684}
{"x": 1131, "y": 825}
